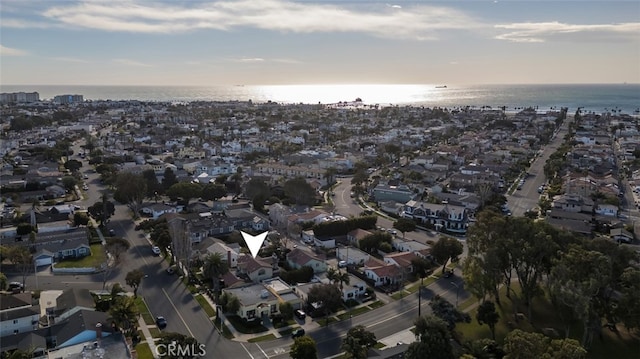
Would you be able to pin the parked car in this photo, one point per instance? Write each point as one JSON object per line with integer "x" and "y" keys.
{"x": 171, "y": 269}
{"x": 342, "y": 264}
{"x": 300, "y": 314}
{"x": 155, "y": 250}
{"x": 15, "y": 286}
{"x": 297, "y": 333}
{"x": 161, "y": 322}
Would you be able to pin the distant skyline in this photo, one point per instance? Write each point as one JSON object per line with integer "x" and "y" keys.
{"x": 262, "y": 42}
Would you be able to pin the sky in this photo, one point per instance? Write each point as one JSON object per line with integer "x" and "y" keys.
{"x": 264, "y": 42}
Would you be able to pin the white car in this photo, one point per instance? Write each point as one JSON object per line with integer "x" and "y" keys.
{"x": 156, "y": 250}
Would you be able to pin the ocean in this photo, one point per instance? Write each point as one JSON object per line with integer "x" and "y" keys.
{"x": 623, "y": 98}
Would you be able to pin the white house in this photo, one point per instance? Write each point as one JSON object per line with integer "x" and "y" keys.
{"x": 17, "y": 314}
{"x": 155, "y": 210}
{"x": 354, "y": 290}
{"x": 607, "y": 210}
{"x": 228, "y": 254}
{"x": 381, "y": 273}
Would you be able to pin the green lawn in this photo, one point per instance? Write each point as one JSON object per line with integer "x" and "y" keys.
{"x": 155, "y": 332}
{"x": 399, "y": 294}
{"x": 612, "y": 345}
{"x": 353, "y": 312}
{"x": 204, "y": 303}
{"x": 287, "y": 331}
{"x": 262, "y": 338}
{"x": 97, "y": 258}
{"x": 144, "y": 351}
{"x": 144, "y": 311}
{"x": 323, "y": 321}
{"x": 379, "y": 345}
{"x": 225, "y": 331}
{"x": 376, "y": 304}
{"x": 246, "y": 327}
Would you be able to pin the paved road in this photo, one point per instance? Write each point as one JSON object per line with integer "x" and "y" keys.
{"x": 528, "y": 197}
{"x": 347, "y": 206}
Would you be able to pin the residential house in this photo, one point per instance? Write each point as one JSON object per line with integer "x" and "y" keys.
{"x": 621, "y": 235}
{"x": 228, "y": 254}
{"x": 354, "y": 290}
{"x": 607, "y": 210}
{"x": 325, "y": 242}
{"x": 444, "y": 217}
{"x": 244, "y": 218}
{"x": 283, "y": 292}
{"x": 256, "y": 302}
{"x": 399, "y": 193}
{"x": 299, "y": 258}
{"x": 71, "y": 301}
{"x": 256, "y": 269}
{"x": 382, "y": 274}
{"x": 18, "y": 314}
{"x": 409, "y": 246}
{"x": 355, "y": 236}
{"x": 351, "y": 255}
{"x": 155, "y": 210}
{"x": 402, "y": 260}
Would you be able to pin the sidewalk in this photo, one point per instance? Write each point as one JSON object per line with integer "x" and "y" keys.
{"x": 147, "y": 336}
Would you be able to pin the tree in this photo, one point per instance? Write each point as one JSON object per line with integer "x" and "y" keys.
{"x": 214, "y": 267}
{"x": 153, "y": 186}
{"x": 421, "y": 267}
{"x": 213, "y": 191}
{"x": 358, "y": 342}
{"x": 257, "y": 187}
{"x": 445, "y": 249}
{"x": 327, "y": 294}
{"x": 69, "y": 182}
{"x": 575, "y": 280}
{"x": 3, "y": 281}
{"x": 116, "y": 246}
{"x": 404, "y": 225}
{"x": 286, "y": 309}
{"x": 102, "y": 210}
{"x": 169, "y": 178}
{"x": 628, "y": 308}
{"x": 487, "y": 314}
{"x": 131, "y": 189}
{"x": 24, "y": 228}
{"x": 527, "y": 345}
{"x": 133, "y": 280}
{"x": 73, "y": 165}
{"x": 125, "y": 314}
{"x": 80, "y": 219}
{"x": 330, "y": 176}
{"x": 446, "y": 311}
{"x": 337, "y": 277}
{"x": 185, "y": 190}
{"x": 433, "y": 340}
{"x": 299, "y": 191}
{"x": 23, "y": 260}
{"x": 303, "y": 347}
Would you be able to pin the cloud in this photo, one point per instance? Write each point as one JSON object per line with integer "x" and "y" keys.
{"x": 129, "y": 62}
{"x": 8, "y": 51}
{"x": 416, "y": 22}
{"x": 71, "y": 59}
{"x": 544, "y": 31}
{"x": 251, "y": 59}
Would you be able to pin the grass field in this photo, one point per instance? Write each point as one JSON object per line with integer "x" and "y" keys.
{"x": 612, "y": 345}
{"x": 204, "y": 303}
{"x": 376, "y": 304}
{"x": 144, "y": 311}
{"x": 354, "y": 312}
{"x": 97, "y": 258}
{"x": 262, "y": 338}
{"x": 143, "y": 351}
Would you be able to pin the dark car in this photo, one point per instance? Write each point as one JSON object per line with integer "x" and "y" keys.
{"x": 161, "y": 322}
{"x": 171, "y": 270}
{"x": 448, "y": 273}
{"x": 112, "y": 233}
{"x": 15, "y": 286}
{"x": 297, "y": 333}
{"x": 300, "y": 314}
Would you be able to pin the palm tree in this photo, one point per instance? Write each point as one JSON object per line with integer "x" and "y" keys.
{"x": 125, "y": 314}
{"x": 337, "y": 277}
{"x": 213, "y": 268}
{"x": 329, "y": 175}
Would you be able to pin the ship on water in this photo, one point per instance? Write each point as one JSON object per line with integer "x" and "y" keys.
{"x": 441, "y": 87}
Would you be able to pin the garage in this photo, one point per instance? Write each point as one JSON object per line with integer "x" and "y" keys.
{"x": 43, "y": 259}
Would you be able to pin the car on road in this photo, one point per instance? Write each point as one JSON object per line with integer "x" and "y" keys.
{"x": 297, "y": 333}
{"x": 342, "y": 264}
{"x": 155, "y": 250}
{"x": 15, "y": 286}
{"x": 171, "y": 269}
{"x": 161, "y": 322}
{"x": 300, "y": 314}
{"x": 112, "y": 233}
{"x": 448, "y": 273}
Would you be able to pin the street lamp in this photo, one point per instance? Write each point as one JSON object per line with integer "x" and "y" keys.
{"x": 457, "y": 292}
